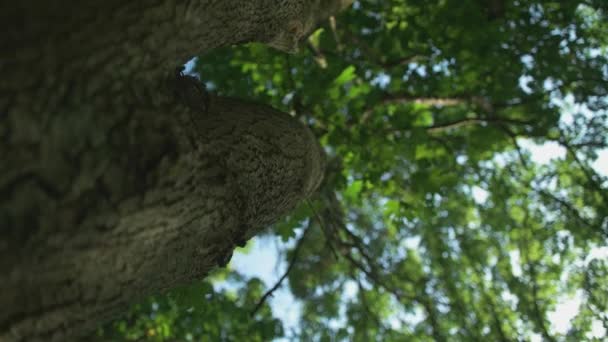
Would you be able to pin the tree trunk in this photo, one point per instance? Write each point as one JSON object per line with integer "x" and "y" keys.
{"x": 110, "y": 188}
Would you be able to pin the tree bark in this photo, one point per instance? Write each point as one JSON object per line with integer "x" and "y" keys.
{"x": 110, "y": 188}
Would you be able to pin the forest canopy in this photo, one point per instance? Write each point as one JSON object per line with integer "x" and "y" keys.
{"x": 433, "y": 213}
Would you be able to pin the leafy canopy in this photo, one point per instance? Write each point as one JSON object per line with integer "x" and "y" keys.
{"x": 433, "y": 222}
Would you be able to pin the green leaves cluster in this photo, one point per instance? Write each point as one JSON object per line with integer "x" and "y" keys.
{"x": 200, "y": 312}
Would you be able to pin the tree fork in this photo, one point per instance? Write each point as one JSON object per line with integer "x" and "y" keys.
{"x": 105, "y": 195}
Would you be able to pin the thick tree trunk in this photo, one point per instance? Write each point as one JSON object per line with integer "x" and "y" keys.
{"x": 106, "y": 218}
{"x": 110, "y": 189}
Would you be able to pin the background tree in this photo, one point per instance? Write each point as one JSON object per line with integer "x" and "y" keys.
{"x": 434, "y": 223}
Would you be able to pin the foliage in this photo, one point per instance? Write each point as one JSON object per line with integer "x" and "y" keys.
{"x": 199, "y": 312}
{"x": 431, "y": 210}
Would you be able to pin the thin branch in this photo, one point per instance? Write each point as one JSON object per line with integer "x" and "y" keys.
{"x": 401, "y": 99}
{"x": 401, "y": 61}
{"x": 589, "y": 173}
{"x": 474, "y": 121}
{"x": 324, "y": 229}
{"x": 496, "y": 319}
{"x": 563, "y": 203}
{"x": 292, "y": 262}
{"x": 513, "y": 137}
{"x": 333, "y": 26}
{"x": 299, "y": 110}
{"x": 575, "y": 212}
{"x": 430, "y": 101}
{"x": 375, "y": 278}
{"x": 319, "y": 55}
{"x": 365, "y": 304}
{"x": 539, "y": 316}
{"x": 443, "y": 126}
{"x": 454, "y": 100}
{"x": 428, "y": 306}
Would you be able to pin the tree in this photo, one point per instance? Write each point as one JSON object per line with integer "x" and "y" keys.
{"x": 111, "y": 187}
{"x": 434, "y": 221}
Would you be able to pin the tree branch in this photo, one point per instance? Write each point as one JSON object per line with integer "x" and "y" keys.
{"x": 575, "y": 212}
{"x": 401, "y": 99}
{"x": 539, "y": 317}
{"x": 292, "y": 262}
{"x": 513, "y": 137}
{"x": 474, "y": 121}
{"x": 589, "y": 173}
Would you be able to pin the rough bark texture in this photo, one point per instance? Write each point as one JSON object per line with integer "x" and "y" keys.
{"x": 110, "y": 188}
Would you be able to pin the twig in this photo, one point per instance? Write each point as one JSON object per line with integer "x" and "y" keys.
{"x": 590, "y": 174}
{"x": 365, "y": 304}
{"x": 513, "y": 137}
{"x": 474, "y": 121}
{"x": 539, "y": 317}
{"x": 292, "y": 262}
{"x": 333, "y": 26}
{"x": 325, "y": 230}
{"x": 575, "y": 212}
